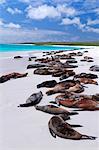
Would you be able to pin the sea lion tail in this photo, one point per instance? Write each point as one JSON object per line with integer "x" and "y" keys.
{"x": 25, "y": 105}
{"x": 52, "y": 102}
{"x": 73, "y": 113}
{"x": 75, "y": 125}
{"x": 88, "y": 137}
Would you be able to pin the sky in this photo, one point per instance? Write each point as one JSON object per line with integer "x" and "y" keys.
{"x": 49, "y": 20}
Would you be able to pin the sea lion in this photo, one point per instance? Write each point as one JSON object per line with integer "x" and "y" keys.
{"x": 51, "y": 109}
{"x": 42, "y": 71}
{"x": 61, "y": 87}
{"x": 58, "y": 127}
{"x": 48, "y": 84}
{"x": 94, "y": 68}
{"x": 86, "y": 104}
{"x": 67, "y": 75}
{"x": 87, "y": 80}
{"x": 78, "y": 88}
{"x": 86, "y": 75}
{"x": 17, "y": 57}
{"x": 35, "y": 66}
{"x": 33, "y": 100}
{"x": 13, "y": 75}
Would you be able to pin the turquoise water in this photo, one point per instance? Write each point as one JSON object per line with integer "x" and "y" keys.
{"x": 16, "y": 47}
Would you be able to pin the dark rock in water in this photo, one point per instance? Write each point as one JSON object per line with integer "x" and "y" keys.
{"x": 86, "y": 75}
{"x": 33, "y": 100}
{"x": 35, "y": 66}
{"x": 94, "y": 68}
{"x": 17, "y": 57}
{"x": 47, "y": 84}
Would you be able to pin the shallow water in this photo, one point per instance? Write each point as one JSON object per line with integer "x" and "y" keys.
{"x": 24, "y": 47}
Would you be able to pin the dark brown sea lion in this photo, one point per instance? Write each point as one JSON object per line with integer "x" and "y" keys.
{"x": 13, "y": 75}
{"x": 33, "y": 100}
{"x": 61, "y": 87}
{"x": 51, "y": 109}
{"x": 48, "y": 84}
{"x": 35, "y": 66}
{"x": 42, "y": 71}
{"x": 58, "y": 127}
{"x": 67, "y": 75}
{"x": 17, "y": 57}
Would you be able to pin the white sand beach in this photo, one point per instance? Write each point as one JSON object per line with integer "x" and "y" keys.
{"x": 27, "y": 128}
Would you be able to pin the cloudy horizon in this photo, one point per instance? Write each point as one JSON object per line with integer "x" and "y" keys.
{"x": 49, "y": 20}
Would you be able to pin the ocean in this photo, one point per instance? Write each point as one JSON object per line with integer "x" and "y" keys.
{"x": 27, "y": 47}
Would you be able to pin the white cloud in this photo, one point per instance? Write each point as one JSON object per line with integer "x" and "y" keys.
{"x": 90, "y": 29}
{"x": 9, "y": 25}
{"x": 74, "y": 21}
{"x": 14, "y": 11}
{"x": 2, "y": 1}
{"x": 93, "y": 22}
{"x": 96, "y": 10}
{"x": 44, "y": 11}
{"x": 12, "y": 25}
{"x": 68, "y": 11}
{"x": 41, "y": 12}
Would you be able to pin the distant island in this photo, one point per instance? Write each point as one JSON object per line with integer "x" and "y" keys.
{"x": 93, "y": 43}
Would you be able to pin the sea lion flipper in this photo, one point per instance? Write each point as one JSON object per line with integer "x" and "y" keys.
{"x": 75, "y": 125}
{"x": 25, "y": 105}
{"x": 52, "y": 133}
{"x": 88, "y": 137}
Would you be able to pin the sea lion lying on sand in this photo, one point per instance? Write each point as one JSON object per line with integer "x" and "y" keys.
{"x": 61, "y": 87}
{"x": 13, "y": 75}
{"x": 42, "y": 71}
{"x": 35, "y": 66}
{"x": 67, "y": 75}
{"x": 94, "y": 68}
{"x": 51, "y": 109}
{"x": 58, "y": 127}
{"x": 87, "y": 81}
{"x": 33, "y": 100}
{"x": 48, "y": 84}
{"x": 86, "y": 75}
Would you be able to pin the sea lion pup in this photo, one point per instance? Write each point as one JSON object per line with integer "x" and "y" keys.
{"x": 33, "y": 100}
{"x": 86, "y": 75}
{"x": 87, "y": 81}
{"x": 61, "y": 87}
{"x": 51, "y": 109}
{"x": 48, "y": 84}
{"x": 58, "y": 127}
